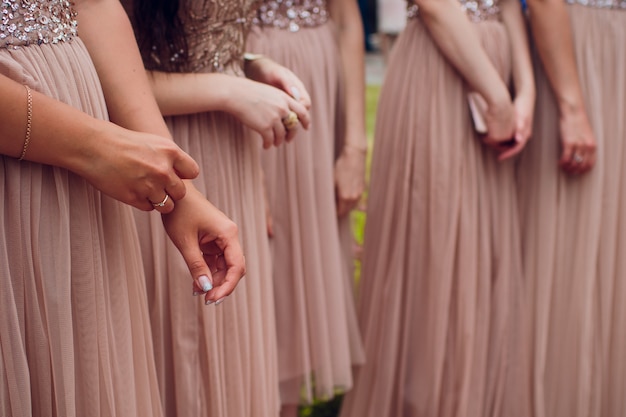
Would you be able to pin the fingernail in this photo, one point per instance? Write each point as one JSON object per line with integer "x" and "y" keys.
{"x": 220, "y": 301}
{"x": 208, "y": 302}
{"x": 205, "y": 283}
{"x": 295, "y": 93}
{"x": 196, "y": 293}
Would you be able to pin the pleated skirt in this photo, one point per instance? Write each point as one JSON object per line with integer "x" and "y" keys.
{"x": 215, "y": 360}
{"x": 74, "y": 327}
{"x": 574, "y": 235}
{"x": 318, "y": 337}
{"x": 440, "y": 293}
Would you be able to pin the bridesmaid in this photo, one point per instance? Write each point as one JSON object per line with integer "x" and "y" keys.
{"x": 310, "y": 194}
{"x": 74, "y": 331}
{"x": 440, "y": 297}
{"x": 572, "y": 206}
{"x": 215, "y": 361}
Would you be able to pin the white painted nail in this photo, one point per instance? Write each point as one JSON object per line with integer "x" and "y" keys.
{"x": 205, "y": 283}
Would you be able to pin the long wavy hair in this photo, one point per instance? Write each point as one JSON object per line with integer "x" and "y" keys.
{"x": 160, "y": 33}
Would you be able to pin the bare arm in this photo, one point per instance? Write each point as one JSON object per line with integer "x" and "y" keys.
{"x": 458, "y": 41}
{"x": 195, "y": 226}
{"x": 350, "y": 166}
{"x": 523, "y": 78}
{"x": 551, "y": 30}
{"x": 346, "y": 15}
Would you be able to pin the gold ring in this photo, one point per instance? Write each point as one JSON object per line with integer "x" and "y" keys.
{"x": 291, "y": 120}
{"x": 162, "y": 203}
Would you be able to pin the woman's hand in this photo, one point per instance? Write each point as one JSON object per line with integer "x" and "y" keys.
{"x": 264, "y": 109}
{"x": 139, "y": 169}
{"x": 500, "y": 121}
{"x": 267, "y": 71}
{"x": 349, "y": 178}
{"x": 209, "y": 243}
{"x": 524, "y": 106}
{"x": 578, "y": 154}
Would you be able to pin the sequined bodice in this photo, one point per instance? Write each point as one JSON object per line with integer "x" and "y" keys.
{"x": 216, "y": 33}
{"x": 603, "y": 4}
{"x": 26, "y": 22}
{"x": 476, "y": 10}
{"x": 292, "y": 14}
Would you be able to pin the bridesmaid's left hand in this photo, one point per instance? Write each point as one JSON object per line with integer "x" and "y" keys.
{"x": 209, "y": 243}
{"x": 267, "y": 71}
{"x": 349, "y": 178}
{"x": 524, "y": 106}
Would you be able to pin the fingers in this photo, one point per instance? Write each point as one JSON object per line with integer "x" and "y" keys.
{"x": 578, "y": 159}
{"x": 301, "y": 111}
{"x": 511, "y": 151}
{"x": 234, "y": 268}
{"x": 163, "y": 204}
{"x": 198, "y": 268}
{"x": 280, "y": 132}
{"x": 299, "y": 93}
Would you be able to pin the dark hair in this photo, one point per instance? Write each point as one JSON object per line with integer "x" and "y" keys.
{"x": 160, "y": 33}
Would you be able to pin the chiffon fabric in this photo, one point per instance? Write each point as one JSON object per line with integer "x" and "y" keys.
{"x": 318, "y": 337}
{"x": 440, "y": 293}
{"x": 74, "y": 328}
{"x": 573, "y": 239}
{"x": 215, "y": 360}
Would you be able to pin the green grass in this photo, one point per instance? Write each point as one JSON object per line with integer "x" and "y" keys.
{"x": 331, "y": 408}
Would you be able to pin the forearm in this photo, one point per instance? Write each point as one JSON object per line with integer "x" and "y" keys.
{"x": 346, "y": 14}
{"x": 130, "y": 101}
{"x": 523, "y": 78}
{"x": 458, "y": 41}
{"x": 551, "y": 30}
{"x": 60, "y": 135}
{"x": 187, "y": 93}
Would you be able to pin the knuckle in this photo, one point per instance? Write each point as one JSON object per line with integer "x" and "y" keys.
{"x": 195, "y": 266}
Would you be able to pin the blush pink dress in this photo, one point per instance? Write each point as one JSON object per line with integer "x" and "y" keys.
{"x": 440, "y": 296}
{"x": 318, "y": 337}
{"x": 74, "y": 327}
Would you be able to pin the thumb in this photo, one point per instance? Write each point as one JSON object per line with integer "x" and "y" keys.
{"x": 198, "y": 268}
{"x": 185, "y": 166}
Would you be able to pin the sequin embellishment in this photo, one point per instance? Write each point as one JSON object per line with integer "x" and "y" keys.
{"x": 292, "y": 14}
{"x": 476, "y": 10}
{"x": 26, "y": 22}
{"x": 602, "y": 4}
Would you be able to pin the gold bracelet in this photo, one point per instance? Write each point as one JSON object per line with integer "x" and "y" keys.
{"x": 29, "y": 120}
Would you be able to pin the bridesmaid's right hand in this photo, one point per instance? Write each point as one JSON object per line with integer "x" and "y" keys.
{"x": 500, "y": 121}
{"x": 262, "y": 108}
{"x": 578, "y": 154}
{"x": 139, "y": 169}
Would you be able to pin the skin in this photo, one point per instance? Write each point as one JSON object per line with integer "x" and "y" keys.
{"x": 134, "y": 160}
{"x": 551, "y": 30}
{"x": 350, "y": 166}
{"x": 255, "y": 101}
{"x": 454, "y": 34}
{"x": 523, "y": 79}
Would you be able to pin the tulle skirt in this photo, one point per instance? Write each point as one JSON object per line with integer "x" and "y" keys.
{"x": 440, "y": 295}
{"x": 74, "y": 328}
{"x": 318, "y": 336}
{"x": 573, "y": 235}
{"x": 215, "y": 360}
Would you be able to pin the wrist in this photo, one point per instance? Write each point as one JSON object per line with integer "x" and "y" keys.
{"x": 570, "y": 105}
{"x": 498, "y": 97}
